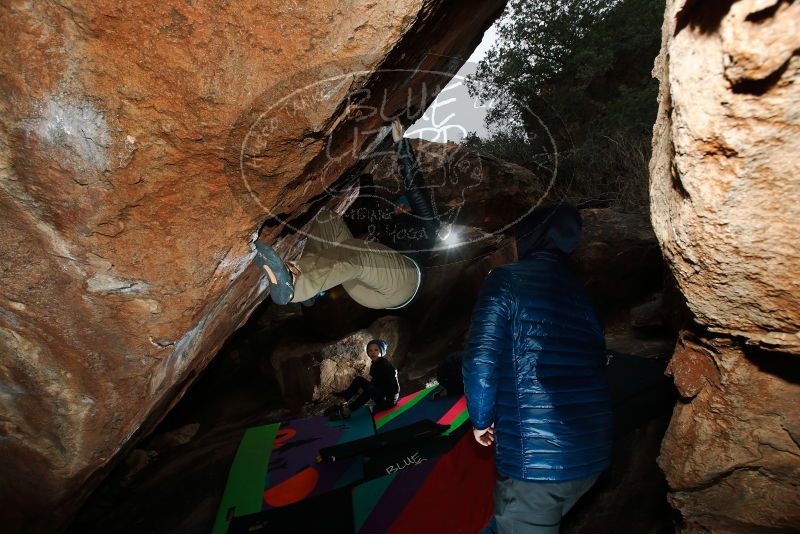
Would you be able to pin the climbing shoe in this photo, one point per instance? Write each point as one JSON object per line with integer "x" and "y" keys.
{"x": 338, "y": 412}
{"x": 281, "y": 284}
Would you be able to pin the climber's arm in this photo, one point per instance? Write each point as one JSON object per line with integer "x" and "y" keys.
{"x": 413, "y": 179}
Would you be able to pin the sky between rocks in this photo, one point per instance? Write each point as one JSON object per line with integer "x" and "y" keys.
{"x": 454, "y": 112}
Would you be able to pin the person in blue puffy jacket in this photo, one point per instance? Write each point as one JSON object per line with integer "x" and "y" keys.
{"x": 535, "y": 378}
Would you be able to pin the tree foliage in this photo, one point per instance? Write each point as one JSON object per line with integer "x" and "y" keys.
{"x": 573, "y": 77}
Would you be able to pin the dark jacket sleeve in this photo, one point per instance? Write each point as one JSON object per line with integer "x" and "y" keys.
{"x": 384, "y": 377}
{"x": 488, "y": 335}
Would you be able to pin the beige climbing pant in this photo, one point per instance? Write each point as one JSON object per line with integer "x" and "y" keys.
{"x": 373, "y": 274}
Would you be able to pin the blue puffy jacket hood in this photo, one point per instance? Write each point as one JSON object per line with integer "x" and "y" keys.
{"x": 555, "y": 228}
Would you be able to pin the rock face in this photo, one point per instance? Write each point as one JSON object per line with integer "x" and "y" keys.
{"x": 309, "y": 372}
{"x": 295, "y": 356}
{"x": 731, "y": 451}
{"x": 619, "y": 261}
{"x": 470, "y": 188}
{"x": 724, "y": 169}
{"x": 629, "y": 496}
{"x": 725, "y": 165}
{"x": 142, "y": 149}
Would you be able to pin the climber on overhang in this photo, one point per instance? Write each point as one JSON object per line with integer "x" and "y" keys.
{"x": 370, "y": 270}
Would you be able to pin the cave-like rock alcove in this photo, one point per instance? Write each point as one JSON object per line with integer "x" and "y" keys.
{"x": 150, "y": 381}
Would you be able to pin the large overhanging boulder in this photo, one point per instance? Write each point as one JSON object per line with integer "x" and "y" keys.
{"x": 725, "y": 165}
{"x": 142, "y": 148}
{"x": 724, "y": 190}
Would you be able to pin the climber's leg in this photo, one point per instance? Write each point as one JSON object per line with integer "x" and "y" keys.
{"x": 388, "y": 280}
{"x": 374, "y": 275}
{"x": 327, "y": 230}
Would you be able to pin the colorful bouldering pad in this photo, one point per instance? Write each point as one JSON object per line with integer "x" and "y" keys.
{"x": 390, "y": 481}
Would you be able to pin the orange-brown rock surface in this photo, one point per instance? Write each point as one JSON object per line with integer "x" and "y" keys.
{"x": 725, "y": 169}
{"x": 731, "y": 451}
{"x": 724, "y": 190}
{"x": 142, "y": 148}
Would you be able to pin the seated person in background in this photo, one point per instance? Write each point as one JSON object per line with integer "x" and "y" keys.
{"x": 449, "y": 376}
{"x": 383, "y": 388}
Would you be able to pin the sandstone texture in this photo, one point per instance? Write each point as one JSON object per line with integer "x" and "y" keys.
{"x": 469, "y": 188}
{"x": 143, "y": 148}
{"x": 724, "y": 185}
{"x": 309, "y": 371}
{"x": 731, "y": 453}
{"x": 725, "y": 171}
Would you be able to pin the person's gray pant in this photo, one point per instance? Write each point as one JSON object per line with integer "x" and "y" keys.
{"x": 532, "y": 507}
{"x": 374, "y": 275}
